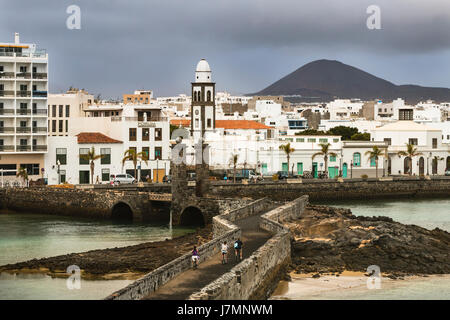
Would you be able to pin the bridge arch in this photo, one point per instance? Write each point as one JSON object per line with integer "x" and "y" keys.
{"x": 192, "y": 216}
{"x": 122, "y": 211}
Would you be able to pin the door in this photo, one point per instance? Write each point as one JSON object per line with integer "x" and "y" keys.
{"x": 158, "y": 175}
{"x": 333, "y": 172}
{"x": 314, "y": 170}
{"x": 299, "y": 168}
{"x": 84, "y": 177}
{"x": 344, "y": 170}
{"x": 421, "y": 166}
{"x": 264, "y": 168}
{"x": 284, "y": 167}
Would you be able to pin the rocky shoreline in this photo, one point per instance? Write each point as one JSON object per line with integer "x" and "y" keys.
{"x": 329, "y": 240}
{"x": 116, "y": 263}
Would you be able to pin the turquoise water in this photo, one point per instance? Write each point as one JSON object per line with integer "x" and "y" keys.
{"x": 28, "y": 236}
{"x": 427, "y": 213}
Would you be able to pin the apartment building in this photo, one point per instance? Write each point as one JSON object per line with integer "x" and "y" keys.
{"x": 23, "y": 107}
{"x": 139, "y": 97}
{"x": 63, "y": 107}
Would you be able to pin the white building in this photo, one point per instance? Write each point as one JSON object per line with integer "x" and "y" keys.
{"x": 23, "y": 107}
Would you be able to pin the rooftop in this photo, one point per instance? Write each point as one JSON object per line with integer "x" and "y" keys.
{"x": 226, "y": 124}
{"x": 404, "y": 125}
{"x": 95, "y": 137}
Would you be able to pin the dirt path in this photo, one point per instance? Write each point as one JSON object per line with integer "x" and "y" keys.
{"x": 181, "y": 287}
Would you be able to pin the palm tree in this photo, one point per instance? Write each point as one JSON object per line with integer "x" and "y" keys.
{"x": 325, "y": 152}
{"x": 22, "y": 173}
{"x": 131, "y": 154}
{"x": 233, "y": 161}
{"x": 375, "y": 153}
{"x": 410, "y": 152}
{"x": 287, "y": 150}
{"x": 91, "y": 156}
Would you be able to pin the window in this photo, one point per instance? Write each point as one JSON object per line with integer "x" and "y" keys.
{"x": 34, "y": 108}
{"x": 323, "y": 140}
{"x": 373, "y": 162}
{"x": 132, "y": 134}
{"x": 209, "y": 123}
{"x": 54, "y": 111}
{"x": 158, "y": 134}
{"x": 61, "y": 155}
{"x": 67, "y": 111}
{"x": 23, "y": 69}
{"x": 413, "y": 141}
{"x": 336, "y": 140}
{"x": 208, "y": 96}
{"x": 106, "y": 155}
{"x": 197, "y": 124}
{"x": 434, "y": 143}
{"x": 300, "y": 140}
{"x": 105, "y": 175}
{"x": 332, "y": 158}
{"x": 53, "y": 125}
{"x": 8, "y": 167}
{"x": 61, "y": 123}
{"x": 62, "y": 175}
{"x": 145, "y": 134}
{"x": 289, "y": 139}
{"x": 299, "y": 167}
{"x": 84, "y": 151}
{"x": 32, "y": 169}
{"x": 2, "y": 69}
{"x": 158, "y": 151}
{"x": 146, "y": 152}
{"x": 311, "y": 139}
{"x": 67, "y": 125}
{"x": 61, "y": 111}
{"x": 388, "y": 140}
{"x": 357, "y": 159}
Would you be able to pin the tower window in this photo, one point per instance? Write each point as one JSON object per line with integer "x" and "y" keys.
{"x": 209, "y": 96}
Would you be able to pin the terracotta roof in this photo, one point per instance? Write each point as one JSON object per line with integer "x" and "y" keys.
{"x": 95, "y": 137}
{"x": 226, "y": 124}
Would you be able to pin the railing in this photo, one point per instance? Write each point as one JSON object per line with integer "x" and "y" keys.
{"x": 6, "y": 129}
{"x": 42, "y": 94}
{"x": 141, "y": 119}
{"x": 40, "y": 148}
{"x": 23, "y": 93}
{"x": 6, "y": 111}
{"x": 6, "y": 74}
{"x": 25, "y": 75}
{"x": 39, "y": 75}
{"x": 23, "y": 129}
{"x": 40, "y": 111}
{"x": 6, "y": 93}
{"x": 39, "y": 129}
{"x": 36, "y": 54}
{"x": 23, "y": 112}
{"x": 23, "y": 148}
{"x": 6, "y": 148}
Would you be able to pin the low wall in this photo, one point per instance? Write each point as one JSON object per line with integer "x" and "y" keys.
{"x": 257, "y": 276}
{"x": 224, "y": 230}
{"x": 331, "y": 189}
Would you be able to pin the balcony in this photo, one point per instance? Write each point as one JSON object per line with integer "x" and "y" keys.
{"x": 39, "y": 148}
{"x": 40, "y": 94}
{"x": 6, "y": 75}
{"x": 23, "y": 129}
{"x": 41, "y": 112}
{"x": 6, "y": 93}
{"x": 4, "y": 112}
{"x": 4, "y": 148}
{"x": 23, "y": 148}
{"x": 39, "y": 75}
{"x": 23, "y": 93}
{"x": 23, "y": 112}
{"x": 6, "y": 129}
{"x": 23, "y": 75}
{"x": 39, "y": 129}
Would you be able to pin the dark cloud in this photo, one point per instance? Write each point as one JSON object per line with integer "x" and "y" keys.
{"x": 124, "y": 45}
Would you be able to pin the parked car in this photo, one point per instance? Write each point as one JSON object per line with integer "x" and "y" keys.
{"x": 447, "y": 172}
{"x": 282, "y": 175}
{"x": 124, "y": 179}
{"x": 167, "y": 179}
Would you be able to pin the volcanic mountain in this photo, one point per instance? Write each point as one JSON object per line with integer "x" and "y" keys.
{"x": 325, "y": 80}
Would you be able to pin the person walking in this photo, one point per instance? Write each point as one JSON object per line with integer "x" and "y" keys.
{"x": 224, "y": 251}
{"x": 195, "y": 257}
{"x": 238, "y": 249}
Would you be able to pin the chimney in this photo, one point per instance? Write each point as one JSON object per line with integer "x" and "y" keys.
{"x": 16, "y": 38}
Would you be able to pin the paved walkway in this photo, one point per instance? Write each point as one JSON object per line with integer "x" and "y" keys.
{"x": 190, "y": 281}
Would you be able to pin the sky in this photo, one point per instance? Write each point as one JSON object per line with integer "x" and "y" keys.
{"x": 129, "y": 45}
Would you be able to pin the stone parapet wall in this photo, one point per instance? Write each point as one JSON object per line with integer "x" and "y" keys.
{"x": 256, "y": 277}
{"x": 224, "y": 230}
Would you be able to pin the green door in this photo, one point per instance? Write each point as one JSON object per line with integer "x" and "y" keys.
{"x": 264, "y": 168}
{"x": 299, "y": 168}
{"x": 285, "y": 167}
{"x": 333, "y": 172}
{"x": 344, "y": 170}
{"x": 314, "y": 170}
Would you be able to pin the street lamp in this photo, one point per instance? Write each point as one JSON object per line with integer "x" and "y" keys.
{"x": 58, "y": 163}
{"x": 351, "y": 169}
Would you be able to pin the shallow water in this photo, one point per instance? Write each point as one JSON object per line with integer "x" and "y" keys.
{"x": 427, "y": 213}
{"x": 27, "y": 236}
